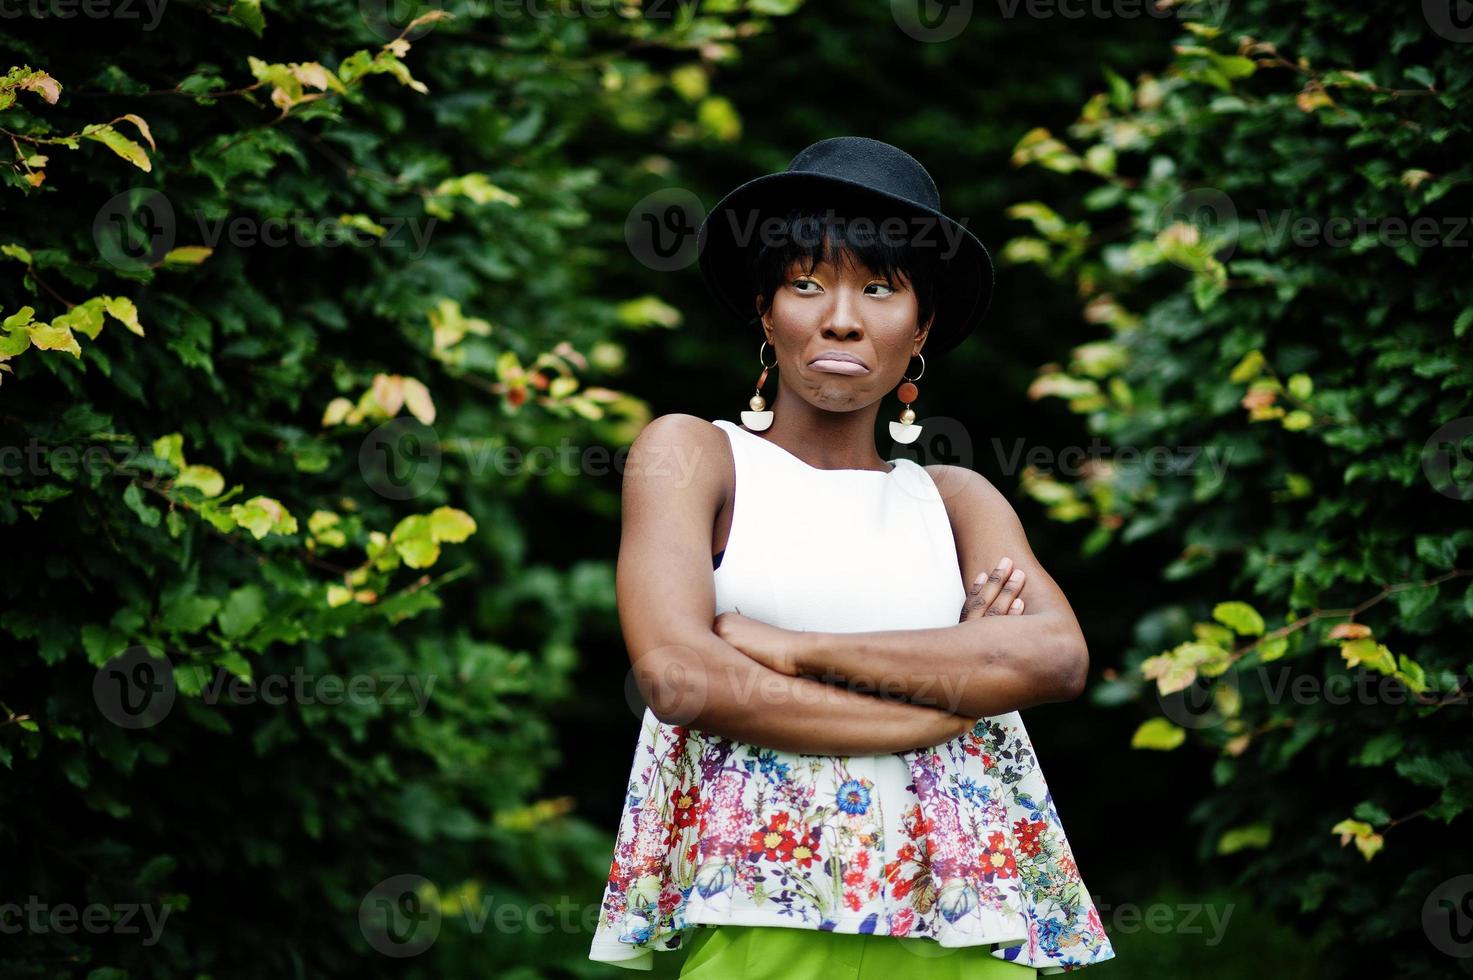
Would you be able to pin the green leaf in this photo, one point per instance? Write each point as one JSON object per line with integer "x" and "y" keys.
{"x": 1271, "y": 650}
{"x": 170, "y": 448}
{"x": 1379, "y": 749}
{"x": 1255, "y": 836}
{"x": 1243, "y": 618}
{"x": 247, "y": 13}
{"x": 1437, "y": 550}
{"x": 1297, "y": 420}
{"x": 1365, "y": 650}
{"x": 119, "y": 144}
{"x": 451, "y": 526}
{"x": 187, "y": 255}
{"x": 84, "y": 318}
{"x": 19, "y": 318}
{"x": 243, "y": 609}
{"x": 206, "y": 479}
{"x": 147, "y": 515}
{"x": 1159, "y": 734}
{"x": 414, "y": 540}
{"x": 188, "y": 613}
{"x": 14, "y": 342}
{"x": 264, "y": 515}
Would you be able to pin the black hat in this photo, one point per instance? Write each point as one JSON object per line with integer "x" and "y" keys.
{"x": 850, "y": 169}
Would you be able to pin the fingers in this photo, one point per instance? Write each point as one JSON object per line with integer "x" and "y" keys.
{"x": 996, "y": 593}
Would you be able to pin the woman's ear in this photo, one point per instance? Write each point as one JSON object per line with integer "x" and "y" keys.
{"x": 924, "y": 331}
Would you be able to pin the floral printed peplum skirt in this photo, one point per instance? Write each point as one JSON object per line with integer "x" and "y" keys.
{"x": 957, "y": 845}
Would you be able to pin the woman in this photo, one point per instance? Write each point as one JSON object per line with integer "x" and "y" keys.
{"x": 831, "y": 770}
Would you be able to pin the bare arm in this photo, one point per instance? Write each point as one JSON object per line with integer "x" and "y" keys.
{"x": 987, "y": 665}
{"x": 674, "y": 482}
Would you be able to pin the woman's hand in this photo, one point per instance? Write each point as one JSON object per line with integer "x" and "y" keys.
{"x": 771, "y": 646}
{"x": 995, "y": 594}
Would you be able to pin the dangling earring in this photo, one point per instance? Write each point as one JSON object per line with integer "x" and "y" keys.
{"x": 906, "y": 431}
{"x": 760, "y": 417}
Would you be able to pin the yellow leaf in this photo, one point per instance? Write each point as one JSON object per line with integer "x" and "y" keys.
{"x": 337, "y": 410}
{"x": 119, "y": 144}
{"x": 142, "y": 127}
{"x": 417, "y": 398}
{"x": 1365, "y": 650}
{"x": 1312, "y": 98}
{"x": 122, "y": 308}
{"x": 388, "y": 391}
{"x": 49, "y": 337}
{"x": 1349, "y": 631}
{"x": 187, "y": 255}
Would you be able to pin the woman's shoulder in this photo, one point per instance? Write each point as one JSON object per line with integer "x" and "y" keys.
{"x": 679, "y": 450}
{"x": 679, "y": 430}
{"x": 969, "y": 495}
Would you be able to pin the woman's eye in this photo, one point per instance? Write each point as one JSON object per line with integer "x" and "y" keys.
{"x": 884, "y": 285}
{"x": 803, "y": 282}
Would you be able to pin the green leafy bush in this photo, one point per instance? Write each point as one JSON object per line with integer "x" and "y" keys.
{"x": 294, "y": 295}
{"x": 1275, "y": 247}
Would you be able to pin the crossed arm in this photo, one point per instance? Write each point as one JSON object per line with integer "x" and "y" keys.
{"x": 995, "y": 660}
{"x": 760, "y": 684}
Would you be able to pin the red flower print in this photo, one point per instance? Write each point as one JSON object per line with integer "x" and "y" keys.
{"x": 686, "y": 802}
{"x": 773, "y": 841}
{"x": 805, "y": 851}
{"x": 1029, "y": 834}
{"x": 996, "y": 860}
{"x": 901, "y": 922}
{"x": 901, "y": 888}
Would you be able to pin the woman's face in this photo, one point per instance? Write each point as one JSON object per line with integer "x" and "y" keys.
{"x": 842, "y": 309}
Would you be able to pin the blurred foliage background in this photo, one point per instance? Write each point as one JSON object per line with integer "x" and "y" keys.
{"x": 292, "y": 291}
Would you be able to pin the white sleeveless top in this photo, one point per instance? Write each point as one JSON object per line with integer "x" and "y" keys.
{"x": 959, "y": 842}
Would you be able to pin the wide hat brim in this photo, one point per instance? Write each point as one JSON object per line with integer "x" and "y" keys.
{"x": 964, "y": 294}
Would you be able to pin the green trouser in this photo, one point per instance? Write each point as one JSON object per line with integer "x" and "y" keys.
{"x": 730, "y": 952}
